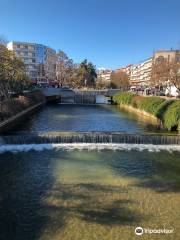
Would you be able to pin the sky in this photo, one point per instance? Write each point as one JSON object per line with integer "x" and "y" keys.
{"x": 110, "y": 33}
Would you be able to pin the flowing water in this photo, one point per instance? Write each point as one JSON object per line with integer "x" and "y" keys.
{"x": 96, "y": 190}
{"x": 85, "y": 118}
{"x": 88, "y": 194}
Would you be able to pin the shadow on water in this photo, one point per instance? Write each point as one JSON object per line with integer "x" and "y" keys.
{"x": 34, "y": 201}
{"x": 89, "y": 203}
{"x": 23, "y": 184}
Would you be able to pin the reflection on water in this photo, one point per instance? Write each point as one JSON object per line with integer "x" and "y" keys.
{"x": 84, "y": 195}
{"x": 85, "y": 118}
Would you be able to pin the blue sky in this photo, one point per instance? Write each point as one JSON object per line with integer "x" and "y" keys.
{"x": 110, "y": 33}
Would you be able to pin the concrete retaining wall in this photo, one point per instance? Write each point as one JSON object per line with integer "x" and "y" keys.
{"x": 12, "y": 121}
{"x": 149, "y": 118}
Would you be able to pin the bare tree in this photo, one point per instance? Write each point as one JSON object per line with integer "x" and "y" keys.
{"x": 64, "y": 69}
{"x": 119, "y": 79}
{"x": 165, "y": 71}
{"x": 175, "y": 74}
{"x": 101, "y": 83}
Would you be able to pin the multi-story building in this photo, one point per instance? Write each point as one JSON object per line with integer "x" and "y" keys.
{"x": 167, "y": 55}
{"x": 141, "y": 73}
{"x": 134, "y": 76}
{"x": 40, "y": 60}
{"x": 126, "y": 69}
{"x": 104, "y": 74}
{"x": 145, "y": 69}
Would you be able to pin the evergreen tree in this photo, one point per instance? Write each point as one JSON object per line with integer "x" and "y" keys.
{"x": 12, "y": 73}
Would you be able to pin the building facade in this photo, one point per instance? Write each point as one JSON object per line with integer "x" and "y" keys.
{"x": 167, "y": 55}
{"x": 104, "y": 75}
{"x": 126, "y": 69}
{"x": 40, "y": 60}
{"x": 141, "y": 73}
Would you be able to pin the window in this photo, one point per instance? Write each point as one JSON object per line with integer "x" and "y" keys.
{"x": 178, "y": 58}
{"x": 160, "y": 59}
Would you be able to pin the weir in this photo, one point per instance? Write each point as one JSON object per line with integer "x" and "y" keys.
{"x": 89, "y": 137}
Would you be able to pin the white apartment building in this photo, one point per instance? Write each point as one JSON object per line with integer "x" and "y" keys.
{"x": 141, "y": 73}
{"x": 126, "y": 69}
{"x": 40, "y": 60}
{"x": 104, "y": 74}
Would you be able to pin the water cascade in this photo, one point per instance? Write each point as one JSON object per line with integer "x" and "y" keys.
{"x": 90, "y": 137}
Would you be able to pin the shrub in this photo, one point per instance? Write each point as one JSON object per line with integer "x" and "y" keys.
{"x": 161, "y": 109}
{"x": 123, "y": 97}
{"x": 168, "y": 111}
{"x": 171, "y": 117}
{"x": 150, "y": 104}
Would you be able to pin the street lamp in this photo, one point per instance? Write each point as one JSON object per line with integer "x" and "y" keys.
{"x": 85, "y": 82}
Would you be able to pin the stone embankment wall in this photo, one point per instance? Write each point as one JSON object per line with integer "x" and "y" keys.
{"x": 147, "y": 117}
{"x": 13, "y": 111}
{"x": 166, "y": 112}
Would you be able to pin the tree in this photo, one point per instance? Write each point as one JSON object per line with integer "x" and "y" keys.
{"x": 86, "y": 74}
{"x": 160, "y": 73}
{"x": 165, "y": 71}
{"x": 119, "y": 79}
{"x": 175, "y": 74}
{"x": 12, "y": 73}
{"x": 64, "y": 69}
{"x": 101, "y": 83}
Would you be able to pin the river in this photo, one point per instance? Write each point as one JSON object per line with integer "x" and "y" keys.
{"x": 84, "y": 118}
{"x": 88, "y": 194}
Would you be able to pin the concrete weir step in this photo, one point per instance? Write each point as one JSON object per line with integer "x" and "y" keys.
{"x": 90, "y": 137}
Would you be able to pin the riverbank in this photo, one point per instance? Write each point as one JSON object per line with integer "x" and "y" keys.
{"x": 149, "y": 118}
{"x": 165, "y": 113}
{"x": 14, "y": 111}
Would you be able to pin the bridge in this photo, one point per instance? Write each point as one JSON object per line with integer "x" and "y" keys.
{"x": 78, "y": 96}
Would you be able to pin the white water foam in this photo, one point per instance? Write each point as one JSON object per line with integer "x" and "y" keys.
{"x": 88, "y": 146}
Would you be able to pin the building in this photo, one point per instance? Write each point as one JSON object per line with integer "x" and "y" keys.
{"x": 134, "y": 76}
{"x": 104, "y": 75}
{"x": 145, "y": 69}
{"x": 141, "y": 73}
{"x": 167, "y": 55}
{"x": 126, "y": 69}
{"x": 40, "y": 60}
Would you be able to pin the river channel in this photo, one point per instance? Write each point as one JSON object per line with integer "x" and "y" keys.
{"x": 88, "y": 193}
{"x": 85, "y": 118}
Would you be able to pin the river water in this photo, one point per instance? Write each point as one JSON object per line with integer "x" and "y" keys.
{"x": 88, "y": 193}
{"x": 85, "y": 118}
